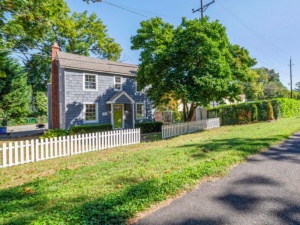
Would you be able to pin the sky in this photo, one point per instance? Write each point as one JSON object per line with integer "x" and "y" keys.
{"x": 268, "y": 29}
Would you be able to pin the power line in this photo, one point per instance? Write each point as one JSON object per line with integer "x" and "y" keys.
{"x": 259, "y": 36}
{"x": 262, "y": 62}
{"x": 141, "y": 10}
{"x": 129, "y": 10}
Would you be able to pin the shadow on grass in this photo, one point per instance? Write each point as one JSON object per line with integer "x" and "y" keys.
{"x": 247, "y": 146}
{"x": 21, "y": 206}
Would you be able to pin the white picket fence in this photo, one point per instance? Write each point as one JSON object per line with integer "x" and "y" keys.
{"x": 189, "y": 127}
{"x": 16, "y": 153}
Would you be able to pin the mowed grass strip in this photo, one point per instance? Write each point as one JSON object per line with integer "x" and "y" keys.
{"x": 111, "y": 186}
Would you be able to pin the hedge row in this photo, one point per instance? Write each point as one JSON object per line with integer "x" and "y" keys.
{"x": 82, "y": 129}
{"x": 255, "y": 111}
{"x": 90, "y": 128}
{"x": 146, "y": 127}
{"x": 149, "y": 127}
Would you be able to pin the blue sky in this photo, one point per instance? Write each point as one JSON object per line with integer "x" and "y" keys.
{"x": 269, "y": 29}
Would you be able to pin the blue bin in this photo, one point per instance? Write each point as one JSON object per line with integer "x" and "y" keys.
{"x": 2, "y": 130}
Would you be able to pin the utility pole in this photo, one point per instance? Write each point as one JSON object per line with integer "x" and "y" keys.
{"x": 291, "y": 77}
{"x": 203, "y": 8}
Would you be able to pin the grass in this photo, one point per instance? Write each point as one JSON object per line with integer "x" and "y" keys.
{"x": 151, "y": 137}
{"x": 111, "y": 186}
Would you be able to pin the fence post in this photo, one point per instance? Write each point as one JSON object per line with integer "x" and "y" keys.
{"x": 22, "y": 152}
{"x": 32, "y": 150}
{"x": 51, "y": 148}
{"x": 47, "y": 148}
{"x": 42, "y": 149}
{"x": 27, "y": 151}
{"x": 64, "y": 147}
{"x": 16, "y": 146}
{"x": 36, "y": 150}
{"x": 4, "y": 155}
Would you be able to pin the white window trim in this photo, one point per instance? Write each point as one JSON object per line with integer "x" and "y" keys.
{"x": 145, "y": 111}
{"x": 136, "y": 90}
{"x": 96, "y": 78}
{"x": 121, "y": 82}
{"x": 97, "y": 113}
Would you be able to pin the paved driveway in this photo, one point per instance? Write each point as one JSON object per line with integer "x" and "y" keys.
{"x": 265, "y": 190}
{"x": 23, "y": 131}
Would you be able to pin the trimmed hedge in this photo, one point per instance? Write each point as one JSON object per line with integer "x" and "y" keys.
{"x": 91, "y": 128}
{"x": 54, "y": 133}
{"x": 249, "y": 112}
{"x": 149, "y": 127}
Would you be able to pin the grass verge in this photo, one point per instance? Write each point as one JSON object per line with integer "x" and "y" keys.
{"x": 109, "y": 187}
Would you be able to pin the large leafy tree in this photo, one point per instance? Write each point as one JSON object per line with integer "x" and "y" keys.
{"x": 271, "y": 85}
{"x": 193, "y": 63}
{"x": 34, "y": 25}
{"x": 83, "y": 35}
{"x": 14, "y": 91}
{"x": 24, "y": 23}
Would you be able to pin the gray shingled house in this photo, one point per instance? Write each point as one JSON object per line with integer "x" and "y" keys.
{"x": 87, "y": 90}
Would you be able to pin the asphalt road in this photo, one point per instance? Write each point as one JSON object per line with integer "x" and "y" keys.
{"x": 264, "y": 190}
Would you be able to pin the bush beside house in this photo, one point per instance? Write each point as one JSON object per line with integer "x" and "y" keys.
{"x": 83, "y": 129}
{"x": 91, "y": 128}
{"x": 255, "y": 111}
{"x": 149, "y": 127}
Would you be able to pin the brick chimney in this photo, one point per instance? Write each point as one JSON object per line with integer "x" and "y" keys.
{"x": 55, "y": 87}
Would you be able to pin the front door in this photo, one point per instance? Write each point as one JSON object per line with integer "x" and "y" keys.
{"x": 118, "y": 116}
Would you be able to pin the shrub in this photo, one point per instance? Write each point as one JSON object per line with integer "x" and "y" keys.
{"x": 54, "y": 133}
{"x": 289, "y": 107}
{"x": 270, "y": 113}
{"x": 149, "y": 127}
{"x": 91, "y": 128}
{"x": 255, "y": 111}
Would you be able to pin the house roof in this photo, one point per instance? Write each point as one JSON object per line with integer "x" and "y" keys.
{"x": 115, "y": 97}
{"x": 73, "y": 61}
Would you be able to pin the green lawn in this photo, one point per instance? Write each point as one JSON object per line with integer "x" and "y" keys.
{"x": 111, "y": 186}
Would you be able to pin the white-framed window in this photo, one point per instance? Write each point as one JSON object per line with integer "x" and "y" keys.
{"x": 138, "y": 88}
{"x": 90, "y": 113}
{"x": 140, "y": 111}
{"x": 90, "y": 82}
{"x": 118, "y": 83}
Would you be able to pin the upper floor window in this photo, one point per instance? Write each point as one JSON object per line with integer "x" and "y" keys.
{"x": 90, "y": 82}
{"x": 118, "y": 84}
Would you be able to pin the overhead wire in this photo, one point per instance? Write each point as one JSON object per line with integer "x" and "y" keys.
{"x": 129, "y": 10}
{"x": 260, "y": 37}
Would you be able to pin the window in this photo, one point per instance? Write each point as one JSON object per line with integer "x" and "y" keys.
{"x": 90, "y": 113}
{"x": 140, "y": 111}
{"x": 118, "y": 84}
{"x": 90, "y": 82}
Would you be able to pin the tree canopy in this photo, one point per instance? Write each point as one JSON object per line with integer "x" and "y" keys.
{"x": 265, "y": 85}
{"x": 193, "y": 63}
{"x": 14, "y": 91}
{"x": 33, "y": 26}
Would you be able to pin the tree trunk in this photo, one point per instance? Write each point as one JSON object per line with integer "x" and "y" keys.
{"x": 191, "y": 112}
